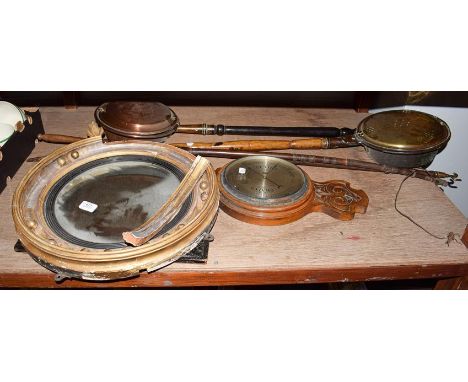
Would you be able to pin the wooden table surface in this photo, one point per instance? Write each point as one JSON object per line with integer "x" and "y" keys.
{"x": 379, "y": 245}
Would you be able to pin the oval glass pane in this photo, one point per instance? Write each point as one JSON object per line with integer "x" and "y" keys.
{"x": 98, "y": 201}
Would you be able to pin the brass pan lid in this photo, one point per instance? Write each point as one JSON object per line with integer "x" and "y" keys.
{"x": 137, "y": 119}
{"x": 403, "y": 131}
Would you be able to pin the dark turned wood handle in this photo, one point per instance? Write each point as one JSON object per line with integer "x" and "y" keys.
{"x": 58, "y": 138}
{"x": 287, "y": 131}
{"x": 205, "y": 129}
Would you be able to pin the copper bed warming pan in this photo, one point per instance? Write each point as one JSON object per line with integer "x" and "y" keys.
{"x": 156, "y": 121}
{"x": 123, "y": 120}
{"x": 71, "y": 208}
{"x": 136, "y": 120}
{"x": 397, "y": 138}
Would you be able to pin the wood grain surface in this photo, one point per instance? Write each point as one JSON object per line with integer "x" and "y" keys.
{"x": 380, "y": 244}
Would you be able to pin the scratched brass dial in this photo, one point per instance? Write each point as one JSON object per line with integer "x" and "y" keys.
{"x": 263, "y": 180}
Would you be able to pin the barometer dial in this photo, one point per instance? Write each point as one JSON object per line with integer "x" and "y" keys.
{"x": 266, "y": 190}
{"x": 264, "y": 180}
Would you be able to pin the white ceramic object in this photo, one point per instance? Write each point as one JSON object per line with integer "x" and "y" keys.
{"x": 10, "y": 114}
{"x": 6, "y": 131}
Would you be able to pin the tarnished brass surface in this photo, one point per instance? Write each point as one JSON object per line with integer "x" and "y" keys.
{"x": 264, "y": 178}
{"x": 403, "y": 131}
{"x": 69, "y": 259}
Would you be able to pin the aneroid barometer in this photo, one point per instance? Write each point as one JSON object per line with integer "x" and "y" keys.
{"x": 71, "y": 209}
{"x": 270, "y": 191}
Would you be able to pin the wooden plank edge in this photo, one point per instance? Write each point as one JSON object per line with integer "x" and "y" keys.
{"x": 207, "y": 278}
{"x": 464, "y": 238}
{"x": 457, "y": 283}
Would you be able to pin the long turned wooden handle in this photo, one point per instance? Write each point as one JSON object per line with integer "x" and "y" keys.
{"x": 166, "y": 213}
{"x": 58, "y": 138}
{"x": 261, "y": 145}
{"x": 205, "y": 129}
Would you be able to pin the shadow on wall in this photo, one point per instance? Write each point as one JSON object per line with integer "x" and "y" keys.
{"x": 359, "y": 100}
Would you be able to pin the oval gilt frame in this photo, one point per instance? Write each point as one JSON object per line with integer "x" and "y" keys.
{"x": 71, "y": 260}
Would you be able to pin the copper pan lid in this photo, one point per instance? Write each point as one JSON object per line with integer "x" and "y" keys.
{"x": 144, "y": 120}
{"x": 403, "y": 131}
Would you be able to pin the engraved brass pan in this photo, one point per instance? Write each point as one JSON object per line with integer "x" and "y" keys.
{"x": 403, "y": 138}
{"x": 73, "y": 260}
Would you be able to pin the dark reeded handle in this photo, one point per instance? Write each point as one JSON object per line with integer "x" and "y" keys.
{"x": 317, "y": 132}
{"x": 283, "y": 131}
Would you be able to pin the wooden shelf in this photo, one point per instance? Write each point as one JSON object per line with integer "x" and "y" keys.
{"x": 380, "y": 245}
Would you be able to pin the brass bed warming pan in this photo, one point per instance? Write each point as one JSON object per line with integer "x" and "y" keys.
{"x": 71, "y": 208}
